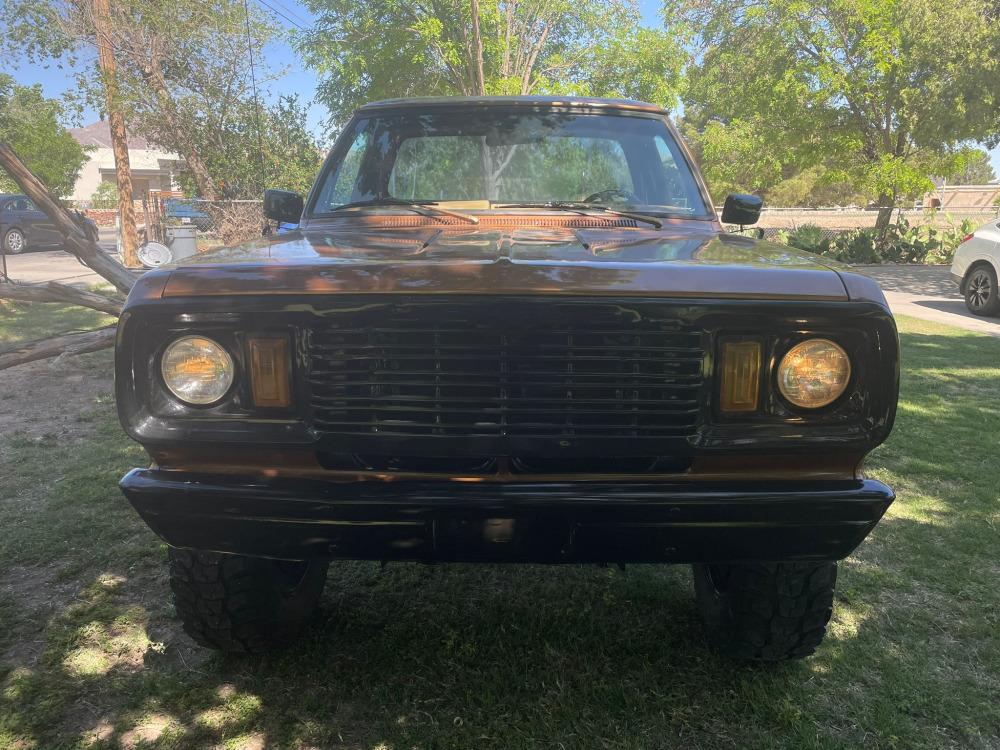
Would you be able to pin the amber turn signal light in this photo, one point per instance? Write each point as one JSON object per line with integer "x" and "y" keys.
{"x": 270, "y": 372}
{"x": 740, "y": 382}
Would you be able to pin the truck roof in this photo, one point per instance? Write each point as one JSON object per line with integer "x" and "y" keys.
{"x": 556, "y": 102}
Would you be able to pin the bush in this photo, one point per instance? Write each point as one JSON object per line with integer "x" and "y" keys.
{"x": 855, "y": 246}
{"x": 810, "y": 238}
{"x": 106, "y": 196}
{"x": 902, "y": 243}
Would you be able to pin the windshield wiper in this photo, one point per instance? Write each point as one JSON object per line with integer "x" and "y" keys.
{"x": 425, "y": 208}
{"x": 582, "y": 207}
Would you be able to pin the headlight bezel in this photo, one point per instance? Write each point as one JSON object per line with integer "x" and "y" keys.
{"x": 173, "y": 393}
{"x": 830, "y": 403}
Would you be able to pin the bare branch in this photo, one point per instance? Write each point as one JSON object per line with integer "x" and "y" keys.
{"x": 53, "y": 291}
{"x": 69, "y": 343}
{"x": 77, "y": 242}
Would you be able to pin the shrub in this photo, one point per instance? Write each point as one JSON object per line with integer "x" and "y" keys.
{"x": 810, "y": 238}
{"x": 106, "y": 196}
{"x": 855, "y": 246}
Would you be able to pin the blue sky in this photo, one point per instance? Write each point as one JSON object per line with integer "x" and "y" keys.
{"x": 279, "y": 55}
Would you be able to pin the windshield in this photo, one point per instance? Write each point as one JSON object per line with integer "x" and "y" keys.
{"x": 483, "y": 159}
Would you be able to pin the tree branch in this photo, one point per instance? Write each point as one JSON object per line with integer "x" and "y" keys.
{"x": 53, "y": 291}
{"x": 69, "y": 343}
{"x": 77, "y": 241}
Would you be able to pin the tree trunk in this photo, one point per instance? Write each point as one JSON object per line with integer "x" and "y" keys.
{"x": 477, "y": 49}
{"x": 153, "y": 75}
{"x": 69, "y": 343}
{"x": 119, "y": 137}
{"x": 77, "y": 242}
{"x": 886, "y": 205}
{"x": 53, "y": 291}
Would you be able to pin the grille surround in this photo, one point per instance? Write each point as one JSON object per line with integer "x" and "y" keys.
{"x": 514, "y": 377}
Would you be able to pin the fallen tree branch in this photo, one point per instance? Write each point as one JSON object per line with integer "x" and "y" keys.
{"x": 68, "y": 343}
{"x": 77, "y": 242}
{"x": 53, "y": 291}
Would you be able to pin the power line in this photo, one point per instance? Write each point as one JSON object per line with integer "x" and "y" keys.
{"x": 277, "y": 12}
{"x": 291, "y": 12}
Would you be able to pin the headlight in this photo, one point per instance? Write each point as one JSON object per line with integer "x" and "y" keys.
{"x": 814, "y": 373}
{"x": 197, "y": 370}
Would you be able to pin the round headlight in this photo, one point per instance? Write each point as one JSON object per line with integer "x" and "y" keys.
{"x": 814, "y": 373}
{"x": 197, "y": 370}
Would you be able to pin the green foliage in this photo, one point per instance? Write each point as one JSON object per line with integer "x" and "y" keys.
{"x": 106, "y": 195}
{"x": 883, "y": 91}
{"x": 902, "y": 243}
{"x": 810, "y": 238}
{"x": 32, "y": 125}
{"x": 972, "y": 167}
{"x": 183, "y": 81}
{"x": 396, "y": 48}
{"x": 228, "y": 144}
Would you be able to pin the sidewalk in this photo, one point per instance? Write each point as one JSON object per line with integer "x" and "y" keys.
{"x": 928, "y": 292}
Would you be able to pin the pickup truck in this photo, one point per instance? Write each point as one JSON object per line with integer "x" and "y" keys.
{"x": 508, "y": 330}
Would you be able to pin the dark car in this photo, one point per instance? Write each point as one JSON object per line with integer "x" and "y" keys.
{"x": 508, "y": 330}
{"x": 24, "y": 227}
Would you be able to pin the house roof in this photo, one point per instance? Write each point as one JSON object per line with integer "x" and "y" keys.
{"x": 99, "y": 134}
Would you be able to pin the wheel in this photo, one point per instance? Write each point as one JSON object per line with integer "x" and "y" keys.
{"x": 981, "y": 291}
{"x": 766, "y": 611}
{"x": 243, "y": 604}
{"x": 14, "y": 242}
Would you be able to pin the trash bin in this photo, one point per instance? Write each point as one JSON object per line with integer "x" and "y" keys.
{"x": 182, "y": 241}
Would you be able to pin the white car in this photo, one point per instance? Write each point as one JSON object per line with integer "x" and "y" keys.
{"x": 975, "y": 269}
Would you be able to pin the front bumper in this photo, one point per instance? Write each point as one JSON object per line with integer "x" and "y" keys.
{"x": 572, "y": 522}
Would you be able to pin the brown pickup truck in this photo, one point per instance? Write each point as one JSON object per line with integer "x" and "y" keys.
{"x": 508, "y": 330}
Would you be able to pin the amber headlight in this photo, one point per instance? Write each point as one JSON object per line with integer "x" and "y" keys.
{"x": 814, "y": 373}
{"x": 197, "y": 370}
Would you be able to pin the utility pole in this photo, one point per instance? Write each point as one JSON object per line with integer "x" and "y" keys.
{"x": 119, "y": 138}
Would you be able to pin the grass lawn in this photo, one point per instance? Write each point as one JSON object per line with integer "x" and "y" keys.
{"x": 21, "y": 322}
{"x": 517, "y": 657}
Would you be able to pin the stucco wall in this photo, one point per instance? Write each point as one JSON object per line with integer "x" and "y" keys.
{"x": 157, "y": 167}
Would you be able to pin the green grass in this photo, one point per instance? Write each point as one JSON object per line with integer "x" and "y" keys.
{"x": 21, "y": 322}
{"x": 519, "y": 657}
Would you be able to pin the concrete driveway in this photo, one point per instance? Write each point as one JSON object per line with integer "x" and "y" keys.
{"x": 928, "y": 292}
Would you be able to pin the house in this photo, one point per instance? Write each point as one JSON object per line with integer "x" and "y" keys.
{"x": 152, "y": 167}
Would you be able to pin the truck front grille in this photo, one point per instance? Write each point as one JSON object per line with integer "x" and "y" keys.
{"x": 538, "y": 369}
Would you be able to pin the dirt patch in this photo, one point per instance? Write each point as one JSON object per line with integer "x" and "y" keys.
{"x": 52, "y": 398}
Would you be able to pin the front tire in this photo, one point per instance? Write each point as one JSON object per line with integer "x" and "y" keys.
{"x": 766, "y": 611}
{"x": 240, "y": 604}
{"x": 14, "y": 242}
{"x": 981, "y": 296}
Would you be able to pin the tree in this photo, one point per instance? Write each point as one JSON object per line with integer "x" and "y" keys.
{"x": 231, "y": 152}
{"x": 396, "y": 48}
{"x": 972, "y": 168}
{"x": 32, "y": 125}
{"x": 182, "y": 65}
{"x": 885, "y": 90}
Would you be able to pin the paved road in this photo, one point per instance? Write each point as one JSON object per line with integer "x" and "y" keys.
{"x": 56, "y": 265}
{"x": 928, "y": 292}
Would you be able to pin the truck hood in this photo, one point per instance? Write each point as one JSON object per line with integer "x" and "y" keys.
{"x": 688, "y": 259}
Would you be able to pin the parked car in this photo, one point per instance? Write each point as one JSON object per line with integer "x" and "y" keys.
{"x": 974, "y": 269}
{"x": 508, "y": 330}
{"x": 24, "y": 227}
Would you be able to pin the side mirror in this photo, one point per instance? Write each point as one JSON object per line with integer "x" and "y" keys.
{"x": 742, "y": 209}
{"x": 283, "y": 206}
